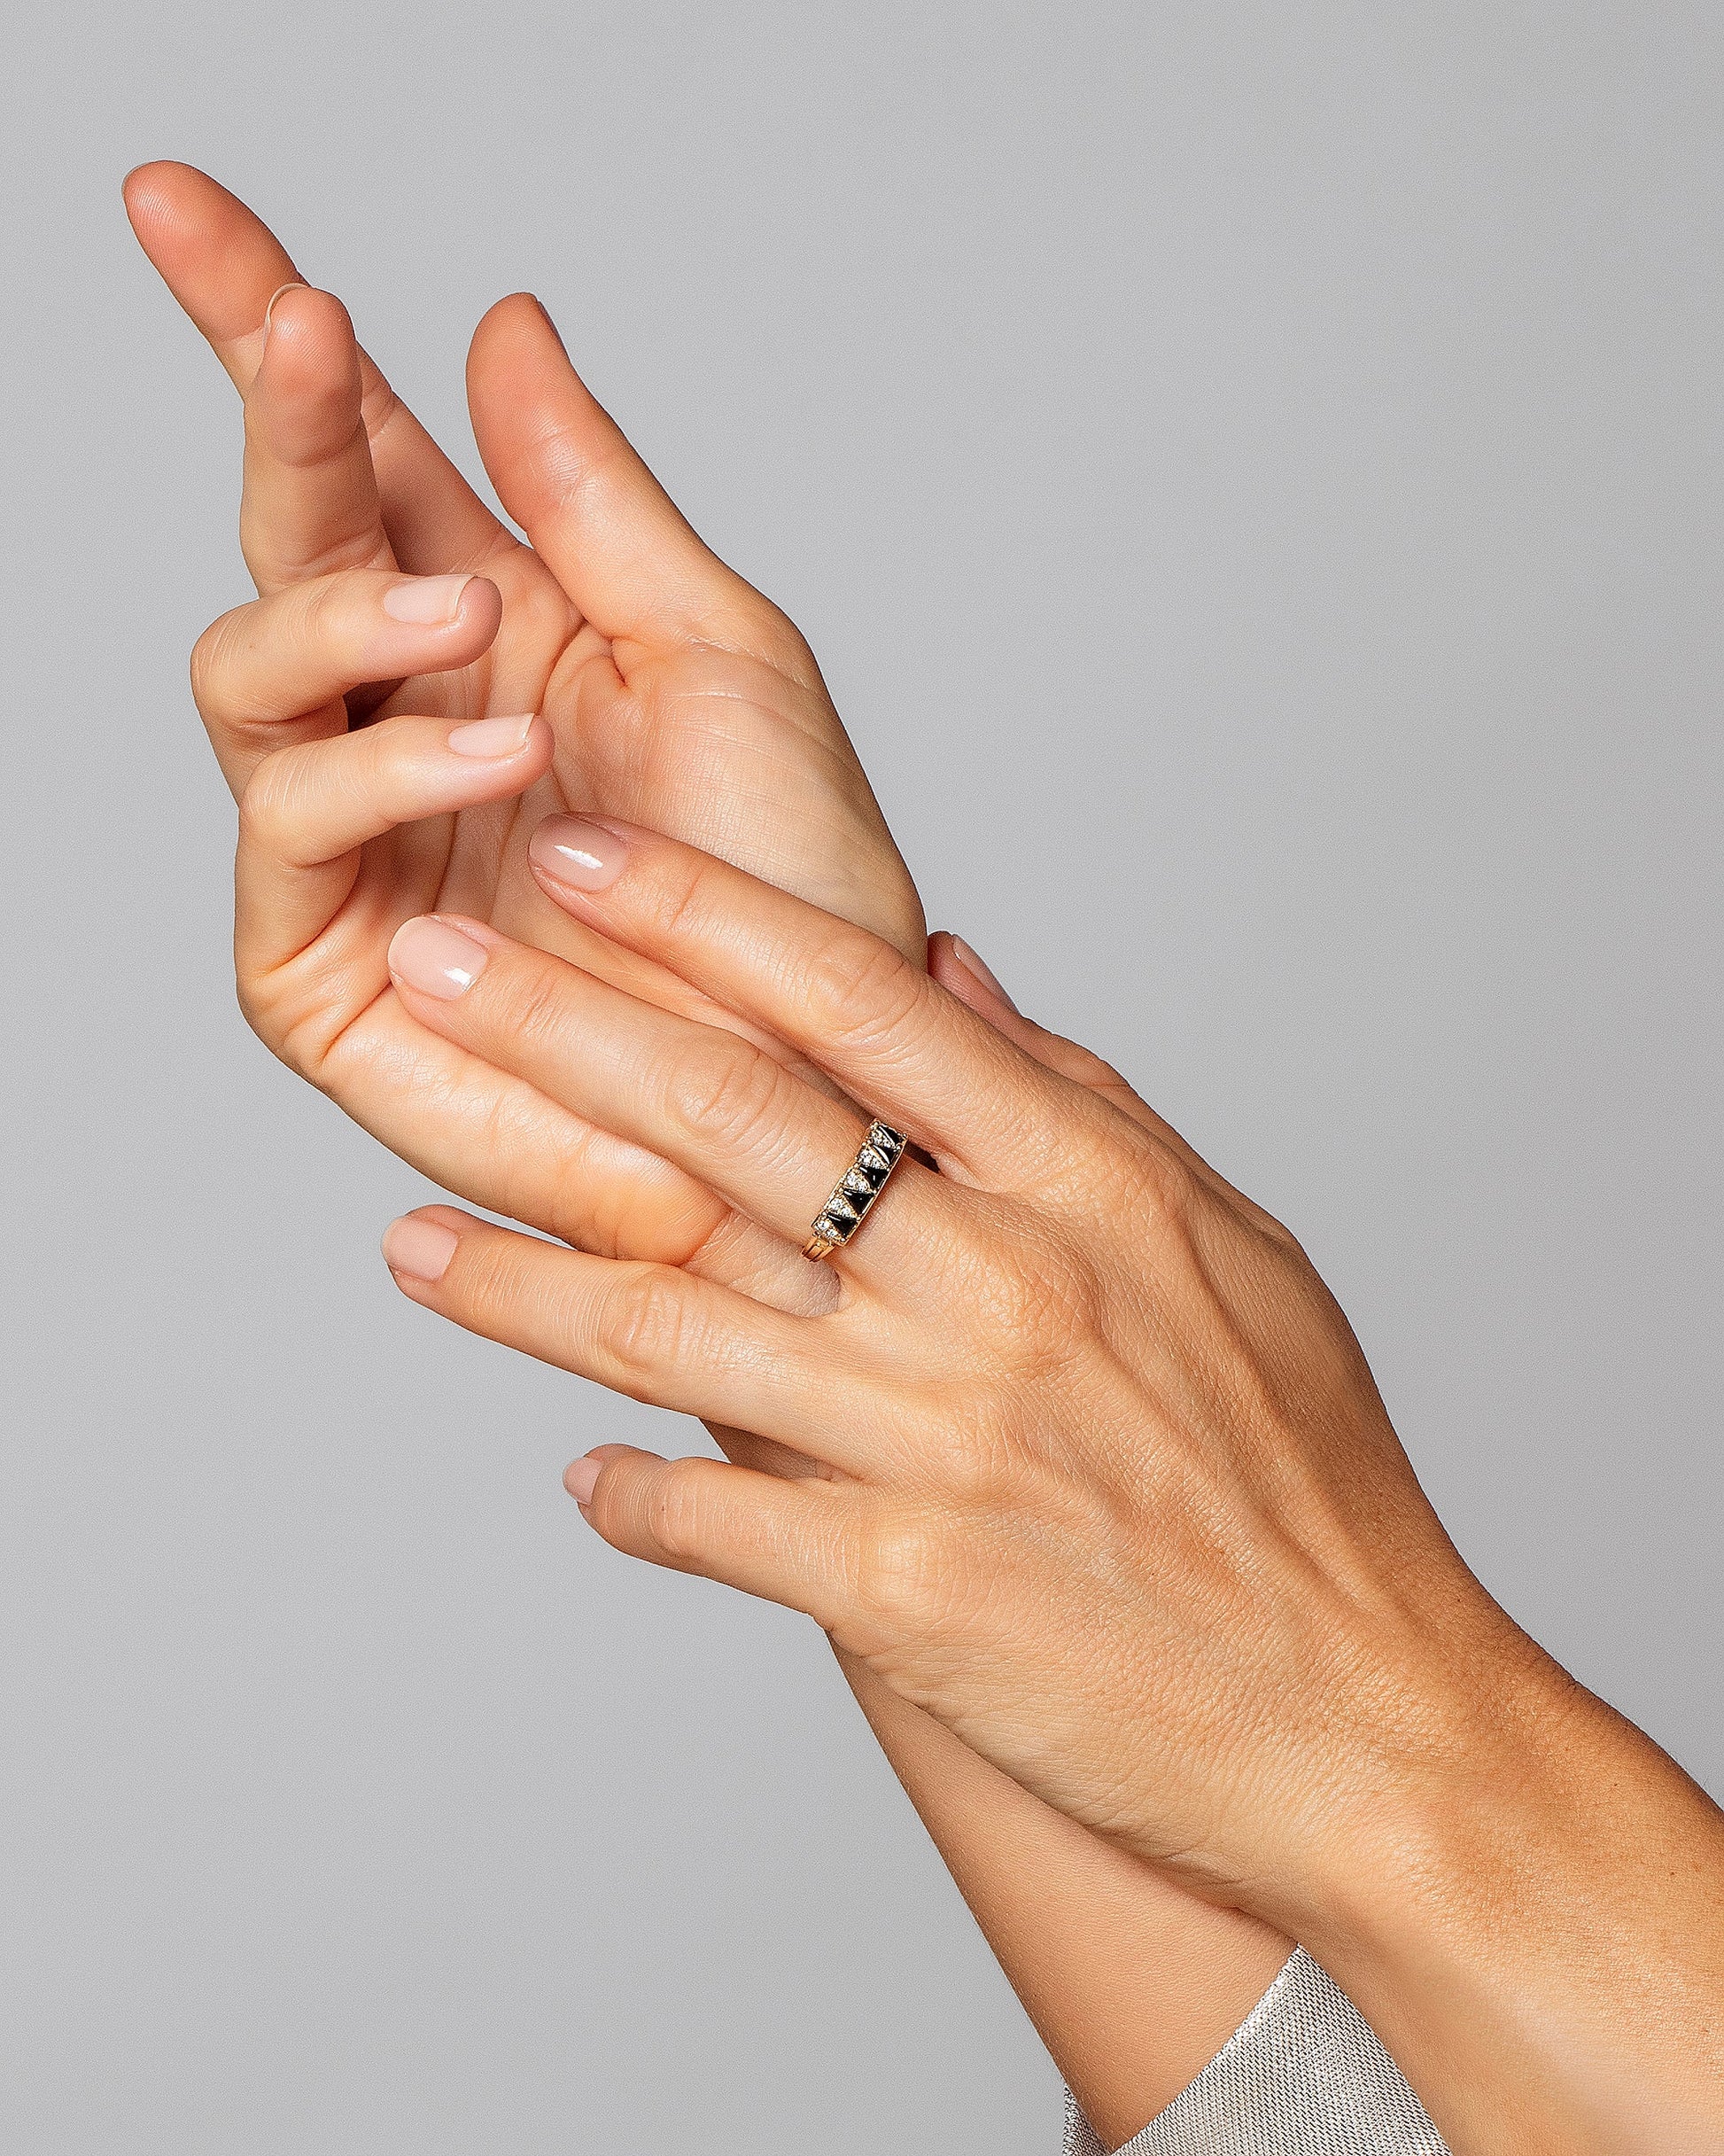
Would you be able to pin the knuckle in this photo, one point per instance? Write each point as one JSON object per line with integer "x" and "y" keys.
{"x": 1164, "y": 1187}
{"x": 536, "y": 1006}
{"x": 899, "y": 1569}
{"x": 1116, "y": 1176}
{"x": 265, "y": 813}
{"x": 643, "y": 1328}
{"x": 1029, "y": 1287}
{"x": 727, "y": 1092}
{"x": 981, "y": 1460}
{"x": 1024, "y": 1283}
{"x": 321, "y": 609}
{"x": 678, "y": 1507}
{"x": 861, "y": 991}
{"x": 211, "y": 662}
{"x": 540, "y": 619}
{"x": 498, "y": 1286}
{"x": 679, "y": 904}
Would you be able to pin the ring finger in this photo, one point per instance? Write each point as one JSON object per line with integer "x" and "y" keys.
{"x": 700, "y": 1096}
{"x": 310, "y": 500}
{"x": 275, "y": 670}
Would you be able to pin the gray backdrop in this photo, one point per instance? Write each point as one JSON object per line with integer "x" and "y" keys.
{"x": 1253, "y": 475}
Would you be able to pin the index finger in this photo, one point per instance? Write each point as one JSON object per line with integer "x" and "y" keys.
{"x": 899, "y": 1044}
{"x": 223, "y": 265}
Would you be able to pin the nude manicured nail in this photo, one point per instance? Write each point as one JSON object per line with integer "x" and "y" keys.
{"x": 492, "y": 736}
{"x": 585, "y": 856}
{"x": 582, "y": 1480}
{"x": 984, "y": 973}
{"x": 425, "y": 601}
{"x": 435, "y": 958}
{"x": 421, "y": 1248}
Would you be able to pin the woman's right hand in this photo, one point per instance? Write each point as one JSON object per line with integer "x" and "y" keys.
{"x": 413, "y": 687}
{"x": 338, "y": 505}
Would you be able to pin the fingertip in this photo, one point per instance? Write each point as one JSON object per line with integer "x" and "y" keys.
{"x": 480, "y": 610}
{"x": 501, "y": 739}
{"x": 419, "y": 1248}
{"x": 146, "y": 192}
{"x": 963, "y": 973}
{"x": 582, "y": 855}
{"x": 308, "y": 347}
{"x": 524, "y": 312}
{"x": 547, "y": 318}
{"x": 581, "y": 1479}
{"x": 275, "y": 297}
{"x": 144, "y": 183}
{"x": 159, "y": 193}
{"x": 512, "y": 345}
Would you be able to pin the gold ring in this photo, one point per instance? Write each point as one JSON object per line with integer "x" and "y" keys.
{"x": 862, "y": 1182}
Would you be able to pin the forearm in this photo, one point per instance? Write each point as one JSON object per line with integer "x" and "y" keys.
{"x": 1132, "y": 1983}
{"x": 1534, "y": 1925}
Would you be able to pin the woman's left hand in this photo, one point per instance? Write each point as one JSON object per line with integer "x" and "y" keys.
{"x": 1096, "y": 1468}
{"x": 1092, "y": 1468}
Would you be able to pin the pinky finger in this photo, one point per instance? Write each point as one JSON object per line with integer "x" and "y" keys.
{"x": 307, "y": 808}
{"x": 785, "y": 1541}
{"x": 652, "y": 1332}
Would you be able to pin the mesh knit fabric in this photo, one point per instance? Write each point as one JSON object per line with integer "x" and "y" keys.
{"x": 1303, "y": 2075}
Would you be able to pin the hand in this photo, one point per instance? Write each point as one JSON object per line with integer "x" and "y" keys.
{"x": 1091, "y": 1423}
{"x": 1098, "y": 1475}
{"x": 663, "y": 685}
{"x": 697, "y": 733}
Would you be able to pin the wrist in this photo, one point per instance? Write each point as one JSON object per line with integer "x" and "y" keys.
{"x": 1535, "y": 1888}
{"x": 1474, "y": 1767}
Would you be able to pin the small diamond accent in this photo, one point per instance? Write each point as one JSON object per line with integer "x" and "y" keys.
{"x": 862, "y": 1180}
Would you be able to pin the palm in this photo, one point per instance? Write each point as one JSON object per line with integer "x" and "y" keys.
{"x": 736, "y": 753}
{"x": 675, "y": 695}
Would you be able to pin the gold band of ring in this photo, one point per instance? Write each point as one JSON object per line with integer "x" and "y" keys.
{"x": 862, "y": 1182}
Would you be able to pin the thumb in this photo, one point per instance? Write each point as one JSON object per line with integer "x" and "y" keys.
{"x": 614, "y": 540}
{"x": 783, "y": 1540}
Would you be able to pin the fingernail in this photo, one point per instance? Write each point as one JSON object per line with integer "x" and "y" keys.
{"x": 968, "y": 959}
{"x": 585, "y": 856}
{"x": 435, "y": 958}
{"x": 425, "y": 601}
{"x": 492, "y": 736}
{"x": 421, "y": 1248}
{"x": 293, "y": 284}
{"x": 583, "y": 1478}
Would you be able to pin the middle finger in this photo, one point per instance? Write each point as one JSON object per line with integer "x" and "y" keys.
{"x": 310, "y": 501}
{"x": 700, "y": 1096}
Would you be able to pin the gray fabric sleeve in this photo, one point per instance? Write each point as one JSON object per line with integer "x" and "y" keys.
{"x": 1304, "y": 2075}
